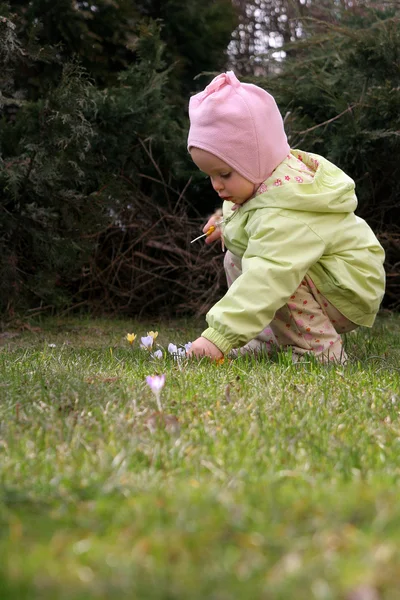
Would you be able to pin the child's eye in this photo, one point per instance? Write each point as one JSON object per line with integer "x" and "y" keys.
{"x": 225, "y": 175}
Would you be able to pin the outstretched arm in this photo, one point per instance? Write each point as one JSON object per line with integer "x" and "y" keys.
{"x": 280, "y": 251}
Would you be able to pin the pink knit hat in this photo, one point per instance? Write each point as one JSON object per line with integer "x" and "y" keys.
{"x": 241, "y": 124}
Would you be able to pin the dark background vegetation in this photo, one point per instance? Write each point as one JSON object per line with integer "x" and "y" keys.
{"x": 99, "y": 198}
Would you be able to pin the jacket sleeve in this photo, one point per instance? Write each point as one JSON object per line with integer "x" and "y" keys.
{"x": 280, "y": 251}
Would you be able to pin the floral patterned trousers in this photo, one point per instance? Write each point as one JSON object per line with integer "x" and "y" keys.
{"x": 308, "y": 323}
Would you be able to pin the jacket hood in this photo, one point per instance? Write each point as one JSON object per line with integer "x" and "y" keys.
{"x": 331, "y": 191}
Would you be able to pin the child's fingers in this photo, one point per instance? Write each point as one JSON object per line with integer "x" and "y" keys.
{"x": 210, "y": 223}
{"x": 215, "y": 235}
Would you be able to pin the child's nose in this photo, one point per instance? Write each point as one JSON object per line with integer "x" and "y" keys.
{"x": 217, "y": 184}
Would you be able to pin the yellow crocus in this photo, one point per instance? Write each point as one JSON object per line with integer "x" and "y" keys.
{"x": 130, "y": 337}
{"x": 153, "y": 334}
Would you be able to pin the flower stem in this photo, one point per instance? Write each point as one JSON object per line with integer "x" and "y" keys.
{"x": 158, "y": 398}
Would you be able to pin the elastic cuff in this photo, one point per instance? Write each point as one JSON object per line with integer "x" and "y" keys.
{"x": 218, "y": 339}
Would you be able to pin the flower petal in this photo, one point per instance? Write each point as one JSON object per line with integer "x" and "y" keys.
{"x": 147, "y": 342}
{"x": 155, "y": 382}
{"x": 130, "y": 337}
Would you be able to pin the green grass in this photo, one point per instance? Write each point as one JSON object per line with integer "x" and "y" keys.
{"x": 275, "y": 481}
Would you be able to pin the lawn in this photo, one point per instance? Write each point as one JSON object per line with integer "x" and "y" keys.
{"x": 261, "y": 479}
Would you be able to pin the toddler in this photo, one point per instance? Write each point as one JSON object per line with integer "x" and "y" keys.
{"x": 301, "y": 267}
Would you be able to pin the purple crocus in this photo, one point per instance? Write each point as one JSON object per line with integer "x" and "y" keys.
{"x": 176, "y": 352}
{"x": 147, "y": 342}
{"x": 156, "y": 384}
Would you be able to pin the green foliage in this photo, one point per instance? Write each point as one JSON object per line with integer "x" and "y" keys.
{"x": 102, "y": 36}
{"x": 70, "y": 162}
{"x": 134, "y": 119}
{"x": 44, "y": 191}
{"x": 196, "y": 34}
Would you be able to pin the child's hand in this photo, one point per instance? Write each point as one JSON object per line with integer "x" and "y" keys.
{"x": 216, "y": 234}
{"x": 203, "y": 347}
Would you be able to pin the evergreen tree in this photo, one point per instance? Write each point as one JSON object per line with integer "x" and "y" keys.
{"x": 71, "y": 162}
{"x": 265, "y": 26}
{"x": 102, "y": 36}
{"x": 196, "y": 35}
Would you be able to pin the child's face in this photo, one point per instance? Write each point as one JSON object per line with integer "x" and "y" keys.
{"x": 227, "y": 182}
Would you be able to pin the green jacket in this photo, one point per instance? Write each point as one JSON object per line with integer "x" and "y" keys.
{"x": 287, "y": 232}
